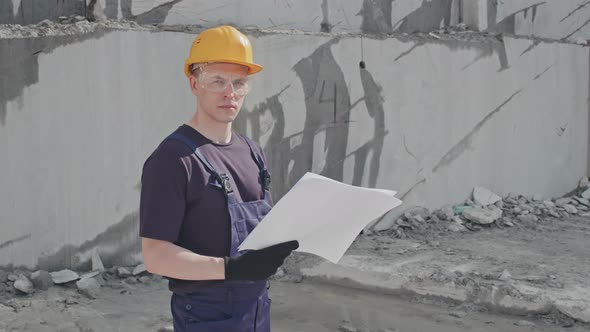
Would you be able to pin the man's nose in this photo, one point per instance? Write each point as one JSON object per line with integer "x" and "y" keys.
{"x": 229, "y": 90}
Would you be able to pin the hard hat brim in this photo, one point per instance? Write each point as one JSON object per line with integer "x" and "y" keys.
{"x": 252, "y": 67}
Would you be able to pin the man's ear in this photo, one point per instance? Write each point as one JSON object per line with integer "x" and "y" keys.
{"x": 194, "y": 84}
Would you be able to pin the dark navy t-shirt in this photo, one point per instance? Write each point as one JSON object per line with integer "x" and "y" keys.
{"x": 178, "y": 205}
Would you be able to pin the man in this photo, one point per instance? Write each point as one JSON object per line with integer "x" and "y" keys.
{"x": 204, "y": 189}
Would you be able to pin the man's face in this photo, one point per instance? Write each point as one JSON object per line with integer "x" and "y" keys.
{"x": 220, "y": 89}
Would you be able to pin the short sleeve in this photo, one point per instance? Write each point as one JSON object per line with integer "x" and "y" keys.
{"x": 163, "y": 197}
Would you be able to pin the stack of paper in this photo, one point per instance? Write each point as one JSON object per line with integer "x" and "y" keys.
{"x": 324, "y": 215}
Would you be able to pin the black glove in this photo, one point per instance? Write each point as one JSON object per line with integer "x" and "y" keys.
{"x": 258, "y": 264}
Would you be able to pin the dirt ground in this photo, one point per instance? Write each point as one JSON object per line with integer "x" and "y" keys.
{"x": 553, "y": 253}
{"x": 296, "y": 307}
{"x": 546, "y": 265}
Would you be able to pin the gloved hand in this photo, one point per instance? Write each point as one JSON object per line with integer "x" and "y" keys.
{"x": 258, "y": 264}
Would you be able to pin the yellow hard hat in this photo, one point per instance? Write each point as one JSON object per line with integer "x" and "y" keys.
{"x": 221, "y": 44}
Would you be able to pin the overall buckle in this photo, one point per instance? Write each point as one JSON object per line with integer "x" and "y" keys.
{"x": 265, "y": 178}
{"x": 224, "y": 182}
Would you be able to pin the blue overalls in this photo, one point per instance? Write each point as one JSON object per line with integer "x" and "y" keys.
{"x": 236, "y": 306}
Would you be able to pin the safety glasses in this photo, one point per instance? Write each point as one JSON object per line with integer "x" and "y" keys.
{"x": 216, "y": 81}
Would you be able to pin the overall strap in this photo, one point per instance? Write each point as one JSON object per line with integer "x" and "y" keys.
{"x": 221, "y": 178}
{"x": 264, "y": 173}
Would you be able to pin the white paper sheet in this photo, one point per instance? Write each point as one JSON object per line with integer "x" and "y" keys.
{"x": 324, "y": 215}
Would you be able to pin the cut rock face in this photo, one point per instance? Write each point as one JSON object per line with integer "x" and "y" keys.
{"x": 139, "y": 269}
{"x": 123, "y": 272}
{"x": 484, "y": 197}
{"x": 64, "y": 276}
{"x": 97, "y": 262}
{"x": 24, "y": 285}
{"x": 482, "y": 216}
{"x": 89, "y": 287}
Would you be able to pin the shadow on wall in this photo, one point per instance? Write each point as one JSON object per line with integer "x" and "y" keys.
{"x": 116, "y": 245}
{"x": 327, "y": 118}
{"x": 529, "y": 14}
{"x": 155, "y": 15}
{"x": 19, "y": 63}
{"x": 431, "y": 15}
{"x": 484, "y": 49}
{"x": 508, "y": 24}
{"x": 428, "y": 17}
{"x": 34, "y": 11}
{"x": 377, "y": 15}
